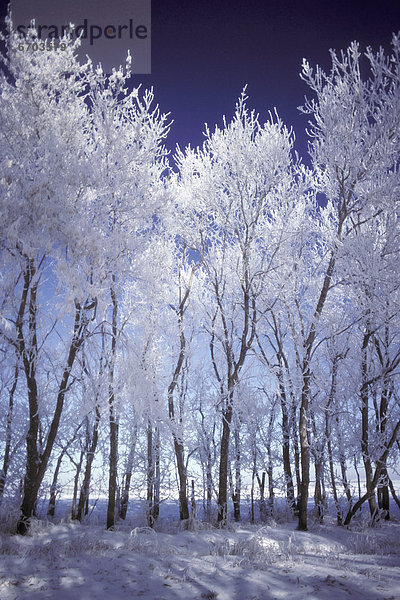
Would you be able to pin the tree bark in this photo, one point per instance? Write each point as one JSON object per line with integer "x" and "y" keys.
{"x": 7, "y": 449}
{"x": 113, "y": 458}
{"x": 127, "y": 478}
{"x": 374, "y": 480}
{"x": 223, "y": 464}
{"x": 287, "y": 470}
{"x": 262, "y": 507}
{"x": 153, "y": 474}
{"x": 36, "y": 462}
{"x": 238, "y": 479}
{"x": 177, "y": 427}
{"x": 84, "y": 494}
{"x": 53, "y": 488}
{"x": 393, "y": 492}
{"x": 364, "y": 393}
{"x": 78, "y": 469}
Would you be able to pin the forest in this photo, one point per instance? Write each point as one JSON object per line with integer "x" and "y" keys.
{"x": 219, "y": 327}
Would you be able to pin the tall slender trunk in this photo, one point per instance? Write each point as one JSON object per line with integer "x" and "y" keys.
{"x": 223, "y": 463}
{"x": 271, "y": 491}
{"x": 253, "y": 476}
{"x": 150, "y": 475}
{"x": 287, "y": 470}
{"x": 318, "y": 456}
{"x": 393, "y": 492}
{"x": 305, "y": 451}
{"x": 193, "y": 502}
{"x": 238, "y": 478}
{"x": 78, "y": 469}
{"x": 381, "y": 461}
{"x": 318, "y": 492}
{"x": 306, "y": 391}
{"x": 36, "y": 462}
{"x": 84, "y": 493}
{"x": 157, "y": 478}
{"x": 113, "y": 459}
{"x": 342, "y": 462}
{"x": 128, "y": 476}
{"x": 339, "y": 515}
{"x": 296, "y": 450}
{"x": 207, "y": 462}
{"x": 234, "y": 366}
{"x": 7, "y": 449}
{"x": 261, "y": 487}
{"x": 53, "y": 488}
{"x": 176, "y": 426}
{"x": 153, "y": 474}
{"x": 383, "y": 494}
{"x": 328, "y": 436}
{"x": 383, "y": 485}
{"x": 364, "y": 393}
{"x": 209, "y": 482}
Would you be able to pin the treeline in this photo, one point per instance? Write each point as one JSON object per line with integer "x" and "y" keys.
{"x": 237, "y": 318}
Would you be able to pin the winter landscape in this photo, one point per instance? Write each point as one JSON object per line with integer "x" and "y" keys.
{"x": 68, "y": 560}
{"x": 199, "y": 350}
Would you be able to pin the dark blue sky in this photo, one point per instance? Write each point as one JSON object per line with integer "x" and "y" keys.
{"x": 205, "y": 51}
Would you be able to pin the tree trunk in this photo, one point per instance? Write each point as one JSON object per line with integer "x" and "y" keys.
{"x": 113, "y": 459}
{"x": 177, "y": 435}
{"x": 306, "y": 391}
{"x": 153, "y": 474}
{"x": 78, "y": 466}
{"x": 150, "y": 475}
{"x": 209, "y": 482}
{"x": 6, "y": 459}
{"x": 270, "y": 463}
{"x": 383, "y": 485}
{"x": 305, "y": 452}
{"x": 253, "y": 475}
{"x": 318, "y": 493}
{"x": 183, "y": 501}
{"x": 364, "y": 393}
{"x": 380, "y": 463}
{"x": 157, "y": 481}
{"x": 393, "y": 492}
{"x": 193, "y": 502}
{"x": 296, "y": 450}
{"x": 263, "y": 507}
{"x": 287, "y": 470}
{"x": 36, "y": 463}
{"x": 339, "y": 515}
{"x": 53, "y": 489}
{"x": 238, "y": 479}
{"x": 84, "y": 494}
{"x": 223, "y": 464}
{"x": 128, "y": 476}
{"x": 113, "y": 463}
{"x": 383, "y": 494}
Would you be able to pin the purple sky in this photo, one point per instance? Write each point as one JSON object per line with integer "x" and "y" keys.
{"x": 205, "y": 51}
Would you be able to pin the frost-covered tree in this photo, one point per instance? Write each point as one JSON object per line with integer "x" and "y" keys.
{"x": 43, "y": 165}
{"x": 127, "y": 161}
{"x": 230, "y": 195}
{"x": 354, "y": 149}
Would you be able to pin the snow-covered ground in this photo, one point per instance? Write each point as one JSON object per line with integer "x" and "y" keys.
{"x": 69, "y": 561}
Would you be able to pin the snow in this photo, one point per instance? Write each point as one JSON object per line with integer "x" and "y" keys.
{"x": 71, "y": 561}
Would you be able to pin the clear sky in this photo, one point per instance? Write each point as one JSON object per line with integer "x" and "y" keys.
{"x": 205, "y": 51}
